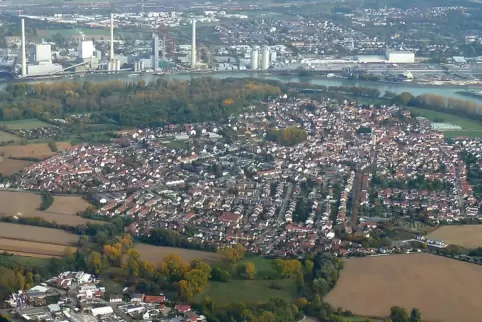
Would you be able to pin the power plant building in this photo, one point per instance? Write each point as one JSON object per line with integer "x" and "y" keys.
{"x": 155, "y": 51}
{"x": 265, "y": 58}
{"x": 400, "y": 57}
{"x": 43, "y": 68}
{"x": 193, "y": 45}
{"x": 254, "y": 57}
{"x": 43, "y": 53}
{"x": 86, "y": 49}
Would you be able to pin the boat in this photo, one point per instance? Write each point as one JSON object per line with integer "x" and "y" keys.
{"x": 132, "y": 75}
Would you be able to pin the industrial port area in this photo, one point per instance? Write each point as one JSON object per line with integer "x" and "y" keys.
{"x": 147, "y": 38}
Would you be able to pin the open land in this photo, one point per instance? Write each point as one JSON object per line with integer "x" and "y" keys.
{"x": 63, "y": 210}
{"x": 24, "y": 124}
{"x": 7, "y": 137}
{"x": 39, "y": 150}
{"x": 254, "y": 291}
{"x": 34, "y": 241}
{"x": 26, "y": 248}
{"x": 443, "y": 289}
{"x": 470, "y": 128}
{"x": 11, "y": 166}
{"x": 469, "y": 236}
{"x": 37, "y": 234}
{"x": 155, "y": 254}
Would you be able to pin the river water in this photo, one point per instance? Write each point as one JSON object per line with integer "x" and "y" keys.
{"x": 446, "y": 91}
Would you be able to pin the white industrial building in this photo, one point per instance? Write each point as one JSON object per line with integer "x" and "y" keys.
{"x": 43, "y": 68}
{"x": 86, "y": 49}
{"x": 43, "y": 53}
{"x": 265, "y": 58}
{"x": 254, "y": 57}
{"x": 400, "y": 57}
{"x": 102, "y": 310}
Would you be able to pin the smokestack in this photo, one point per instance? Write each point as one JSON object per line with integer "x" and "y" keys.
{"x": 193, "y": 45}
{"x": 24, "y": 58}
{"x": 111, "y": 54}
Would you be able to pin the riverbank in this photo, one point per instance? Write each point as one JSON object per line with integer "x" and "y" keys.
{"x": 414, "y": 89}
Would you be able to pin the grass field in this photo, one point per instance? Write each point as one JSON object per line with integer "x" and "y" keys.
{"x": 469, "y": 236}
{"x": 63, "y": 210}
{"x": 263, "y": 266}
{"x": 443, "y": 289}
{"x": 155, "y": 254}
{"x": 25, "y": 261}
{"x": 248, "y": 291}
{"x": 38, "y": 150}
{"x": 7, "y": 137}
{"x": 10, "y": 166}
{"x": 24, "y": 124}
{"x": 471, "y": 128}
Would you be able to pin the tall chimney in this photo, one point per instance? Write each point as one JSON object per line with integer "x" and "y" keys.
{"x": 111, "y": 53}
{"x": 193, "y": 45}
{"x": 24, "y": 57}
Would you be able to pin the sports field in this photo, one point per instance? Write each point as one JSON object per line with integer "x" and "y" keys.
{"x": 24, "y": 124}
{"x": 470, "y": 127}
{"x": 444, "y": 289}
{"x": 469, "y": 236}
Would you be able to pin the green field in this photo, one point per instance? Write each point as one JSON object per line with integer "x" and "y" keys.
{"x": 5, "y": 137}
{"x": 263, "y": 266}
{"x": 24, "y": 261}
{"x": 24, "y": 124}
{"x": 255, "y": 291}
{"x": 471, "y": 128}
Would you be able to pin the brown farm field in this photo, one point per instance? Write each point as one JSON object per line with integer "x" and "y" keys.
{"x": 38, "y": 150}
{"x": 469, "y": 236}
{"x": 63, "y": 210}
{"x": 37, "y": 234}
{"x": 155, "y": 254}
{"x": 35, "y": 241}
{"x": 10, "y": 166}
{"x": 444, "y": 289}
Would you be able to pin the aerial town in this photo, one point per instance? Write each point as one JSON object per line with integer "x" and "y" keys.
{"x": 240, "y": 161}
{"x": 277, "y": 200}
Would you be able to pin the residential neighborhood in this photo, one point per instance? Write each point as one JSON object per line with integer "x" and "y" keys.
{"x": 221, "y": 184}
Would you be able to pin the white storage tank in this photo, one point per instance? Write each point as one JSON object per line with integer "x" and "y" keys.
{"x": 254, "y": 57}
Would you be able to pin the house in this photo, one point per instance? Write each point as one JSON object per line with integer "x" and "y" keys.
{"x": 183, "y": 308}
{"x": 137, "y": 298}
{"x": 115, "y": 298}
{"x": 154, "y": 299}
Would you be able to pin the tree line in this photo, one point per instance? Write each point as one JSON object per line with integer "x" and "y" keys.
{"x": 439, "y": 103}
{"x": 135, "y": 103}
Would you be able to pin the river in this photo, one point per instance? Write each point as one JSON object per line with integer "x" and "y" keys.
{"x": 414, "y": 89}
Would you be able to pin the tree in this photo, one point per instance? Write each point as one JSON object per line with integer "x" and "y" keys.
{"x": 302, "y": 303}
{"x": 20, "y": 280}
{"x": 415, "y": 315}
{"x": 95, "y": 262}
{"x": 320, "y": 286}
{"x": 233, "y": 254}
{"x": 185, "y": 290}
{"x": 399, "y": 314}
{"x": 250, "y": 269}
